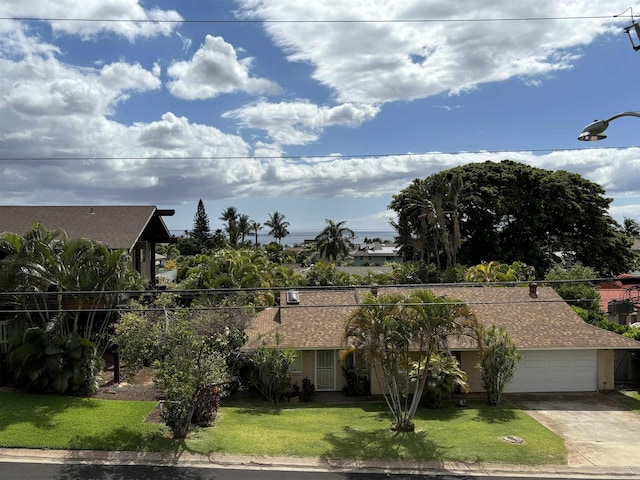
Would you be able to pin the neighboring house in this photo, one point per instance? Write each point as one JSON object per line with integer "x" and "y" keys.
{"x": 377, "y": 254}
{"x": 620, "y": 298}
{"x": 560, "y": 352}
{"x": 136, "y": 229}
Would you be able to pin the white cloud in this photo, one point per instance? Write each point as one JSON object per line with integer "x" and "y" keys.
{"x": 215, "y": 69}
{"x": 96, "y": 10}
{"x": 377, "y": 62}
{"x": 300, "y": 122}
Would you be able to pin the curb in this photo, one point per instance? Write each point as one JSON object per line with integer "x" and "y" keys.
{"x": 183, "y": 459}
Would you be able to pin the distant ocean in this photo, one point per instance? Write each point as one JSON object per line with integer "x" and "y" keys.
{"x": 296, "y": 237}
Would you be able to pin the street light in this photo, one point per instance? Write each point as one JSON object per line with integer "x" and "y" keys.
{"x": 595, "y": 130}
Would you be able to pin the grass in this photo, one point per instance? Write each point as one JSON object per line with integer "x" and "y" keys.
{"x": 358, "y": 430}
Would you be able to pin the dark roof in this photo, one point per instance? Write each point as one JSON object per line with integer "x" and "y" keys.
{"x": 115, "y": 226}
{"x": 545, "y": 322}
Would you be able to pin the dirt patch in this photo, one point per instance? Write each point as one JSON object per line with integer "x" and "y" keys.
{"x": 140, "y": 387}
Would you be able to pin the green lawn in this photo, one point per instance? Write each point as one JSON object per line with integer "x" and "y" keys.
{"x": 358, "y": 430}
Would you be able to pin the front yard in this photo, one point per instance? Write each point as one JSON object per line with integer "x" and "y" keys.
{"x": 358, "y": 430}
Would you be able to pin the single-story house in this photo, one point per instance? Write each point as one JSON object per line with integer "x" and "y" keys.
{"x": 136, "y": 229}
{"x": 560, "y": 352}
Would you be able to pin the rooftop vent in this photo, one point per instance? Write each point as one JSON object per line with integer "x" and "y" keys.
{"x": 293, "y": 297}
{"x": 533, "y": 290}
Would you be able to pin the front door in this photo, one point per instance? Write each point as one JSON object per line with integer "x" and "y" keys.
{"x": 325, "y": 370}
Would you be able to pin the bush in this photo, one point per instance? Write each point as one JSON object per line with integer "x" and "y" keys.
{"x": 270, "y": 374}
{"x": 308, "y": 390}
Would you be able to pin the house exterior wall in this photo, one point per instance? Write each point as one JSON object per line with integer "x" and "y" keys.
{"x": 375, "y": 260}
{"x": 469, "y": 361}
{"x": 606, "y": 370}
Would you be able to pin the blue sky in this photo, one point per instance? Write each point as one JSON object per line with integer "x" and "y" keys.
{"x": 319, "y": 110}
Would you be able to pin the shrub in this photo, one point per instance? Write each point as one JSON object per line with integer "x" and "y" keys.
{"x": 498, "y": 362}
{"x": 308, "y": 390}
{"x": 270, "y": 374}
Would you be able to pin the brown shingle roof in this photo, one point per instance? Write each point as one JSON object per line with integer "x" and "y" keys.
{"x": 318, "y": 321}
{"x": 545, "y": 322}
{"x": 115, "y": 226}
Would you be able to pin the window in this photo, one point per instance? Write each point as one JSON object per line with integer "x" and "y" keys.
{"x": 296, "y": 363}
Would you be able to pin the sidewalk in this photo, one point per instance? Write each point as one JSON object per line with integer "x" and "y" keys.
{"x": 312, "y": 464}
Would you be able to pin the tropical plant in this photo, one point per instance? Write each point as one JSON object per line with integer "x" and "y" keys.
{"x": 444, "y": 377}
{"x": 499, "y": 272}
{"x": 391, "y": 330}
{"x": 278, "y": 225}
{"x": 335, "y": 240}
{"x": 499, "y": 360}
{"x": 68, "y": 289}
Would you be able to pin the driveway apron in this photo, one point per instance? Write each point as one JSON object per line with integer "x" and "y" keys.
{"x": 597, "y": 431}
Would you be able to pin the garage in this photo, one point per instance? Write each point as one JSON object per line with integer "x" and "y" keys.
{"x": 556, "y": 371}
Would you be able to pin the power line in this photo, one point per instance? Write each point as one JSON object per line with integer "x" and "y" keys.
{"x": 303, "y": 21}
{"x": 304, "y": 157}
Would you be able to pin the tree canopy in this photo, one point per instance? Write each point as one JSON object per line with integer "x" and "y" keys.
{"x": 510, "y": 212}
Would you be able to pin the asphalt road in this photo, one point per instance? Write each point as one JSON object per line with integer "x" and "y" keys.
{"x": 47, "y": 471}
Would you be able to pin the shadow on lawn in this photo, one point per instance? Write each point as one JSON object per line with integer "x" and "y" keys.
{"x": 37, "y": 409}
{"x": 124, "y": 439}
{"x": 381, "y": 444}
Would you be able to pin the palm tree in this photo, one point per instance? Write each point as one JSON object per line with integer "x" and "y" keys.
{"x": 278, "y": 226}
{"x": 392, "y": 331}
{"x": 255, "y": 227}
{"x": 335, "y": 240}
{"x": 230, "y": 216}
{"x": 631, "y": 228}
{"x": 244, "y": 226}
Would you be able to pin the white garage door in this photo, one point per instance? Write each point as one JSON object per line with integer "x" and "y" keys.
{"x": 556, "y": 371}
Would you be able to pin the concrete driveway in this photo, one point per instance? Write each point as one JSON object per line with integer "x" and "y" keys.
{"x": 597, "y": 431}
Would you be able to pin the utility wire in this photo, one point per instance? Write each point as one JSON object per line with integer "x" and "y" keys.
{"x": 303, "y": 21}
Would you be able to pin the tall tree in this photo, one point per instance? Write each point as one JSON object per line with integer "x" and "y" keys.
{"x": 392, "y": 330}
{"x": 335, "y": 240}
{"x": 278, "y": 225}
{"x": 429, "y": 220}
{"x": 511, "y": 212}
{"x": 201, "y": 229}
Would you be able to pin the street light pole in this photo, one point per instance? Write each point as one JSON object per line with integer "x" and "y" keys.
{"x": 595, "y": 130}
